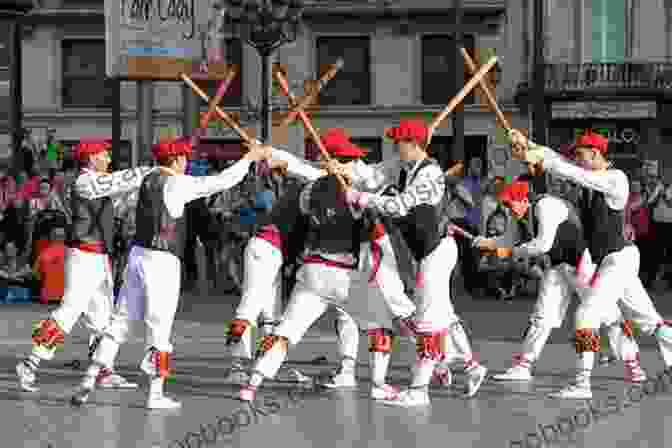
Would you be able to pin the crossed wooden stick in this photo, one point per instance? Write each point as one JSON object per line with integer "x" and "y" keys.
{"x": 298, "y": 106}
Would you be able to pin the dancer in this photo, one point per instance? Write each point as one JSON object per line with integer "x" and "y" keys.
{"x": 617, "y": 261}
{"x": 559, "y": 235}
{"x": 89, "y": 281}
{"x": 261, "y": 302}
{"x": 151, "y": 286}
{"x": 422, "y": 186}
{"x": 333, "y": 247}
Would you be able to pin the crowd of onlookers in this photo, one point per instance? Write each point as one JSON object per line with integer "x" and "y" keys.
{"x": 34, "y": 217}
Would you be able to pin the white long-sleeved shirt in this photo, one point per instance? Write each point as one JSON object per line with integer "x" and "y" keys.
{"x": 612, "y": 183}
{"x": 549, "y": 212}
{"x": 296, "y": 166}
{"x": 427, "y": 186}
{"x": 180, "y": 189}
{"x": 93, "y": 185}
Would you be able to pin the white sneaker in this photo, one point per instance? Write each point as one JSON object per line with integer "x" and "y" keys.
{"x": 108, "y": 379}
{"x": 340, "y": 380}
{"x": 292, "y": 375}
{"x": 573, "y": 392}
{"x": 515, "y": 373}
{"x": 27, "y": 380}
{"x": 409, "y": 398}
{"x": 236, "y": 375}
{"x": 162, "y": 402}
{"x": 384, "y": 392}
{"x": 442, "y": 377}
{"x": 475, "y": 378}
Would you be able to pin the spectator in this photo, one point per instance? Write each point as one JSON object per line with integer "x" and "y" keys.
{"x": 638, "y": 229}
{"x": 501, "y": 279}
{"x": 662, "y": 226}
{"x": 474, "y": 184}
{"x": 8, "y": 190}
{"x": 50, "y": 268}
{"x": 16, "y": 217}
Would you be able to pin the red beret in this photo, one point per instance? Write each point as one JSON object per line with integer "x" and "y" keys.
{"x": 172, "y": 148}
{"x": 89, "y": 147}
{"x": 516, "y": 191}
{"x": 338, "y": 144}
{"x": 409, "y": 130}
{"x": 593, "y": 140}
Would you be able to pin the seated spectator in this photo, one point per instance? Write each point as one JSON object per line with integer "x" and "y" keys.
{"x": 14, "y": 270}
{"x": 50, "y": 268}
{"x": 502, "y": 280}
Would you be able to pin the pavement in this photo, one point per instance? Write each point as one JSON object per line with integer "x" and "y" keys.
{"x": 499, "y": 416}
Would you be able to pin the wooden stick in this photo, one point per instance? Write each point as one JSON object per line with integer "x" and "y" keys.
{"x": 303, "y": 103}
{"x": 464, "y": 92}
{"x": 284, "y": 85}
{"x": 486, "y": 90}
{"x": 223, "y": 115}
{"x": 221, "y": 91}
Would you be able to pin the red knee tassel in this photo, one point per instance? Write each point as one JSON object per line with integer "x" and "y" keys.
{"x": 162, "y": 360}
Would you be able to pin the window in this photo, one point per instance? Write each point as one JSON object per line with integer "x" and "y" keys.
{"x": 84, "y": 81}
{"x": 234, "y": 55}
{"x": 352, "y": 85}
{"x": 438, "y": 68}
{"x": 5, "y": 30}
{"x": 374, "y": 145}
{"x": 608, "y": 25}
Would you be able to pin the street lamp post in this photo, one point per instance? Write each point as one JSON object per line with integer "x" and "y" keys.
{"x": 265, "y": 25}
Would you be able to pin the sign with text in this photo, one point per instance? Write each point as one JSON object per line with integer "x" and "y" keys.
{"x": 604, "y": 109}
{"x": 158, "y": 39}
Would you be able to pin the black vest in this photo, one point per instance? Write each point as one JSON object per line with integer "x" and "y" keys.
{"x": 602, "y": 225}
{"x": 421, "y": 228}
{"x": 155, "y": 228}
{"x": 569, "y": 242}
{"x": 92, "y": 221}
{"x": 331, "y": 227}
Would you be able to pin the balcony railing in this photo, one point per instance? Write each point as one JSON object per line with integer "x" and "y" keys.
{"x": 627, "y": 75}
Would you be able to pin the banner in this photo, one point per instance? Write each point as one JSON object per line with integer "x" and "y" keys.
{"x": 159, "y": 39}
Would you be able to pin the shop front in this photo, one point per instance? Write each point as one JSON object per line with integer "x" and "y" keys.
{"x": 631, "y": 128}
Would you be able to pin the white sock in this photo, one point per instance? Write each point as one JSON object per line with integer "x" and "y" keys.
{"x": 535, "y": 340}
{"x": 422, "y": 373}
{"x": 462, "y": 345}
{"x": 348, "y": 335}
{"x": 243, "y": 349}
{"x": 156, "y": 387}
{"x": 269, "y": 363}
{"x": 347, "y": 366}
{"x": 584, "y": 368}
{"x": 89, "y": 380}
{"x": 379, "y": 364}
{"x": 106, "y": 353}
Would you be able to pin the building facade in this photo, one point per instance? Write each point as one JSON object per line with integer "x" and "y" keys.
{"x": 607, "y": 68}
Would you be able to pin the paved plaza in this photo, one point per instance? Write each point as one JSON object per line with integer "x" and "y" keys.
{"x": 501, "y": 415}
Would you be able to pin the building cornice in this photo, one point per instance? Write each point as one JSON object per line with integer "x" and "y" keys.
{"x": 379, "y": 111}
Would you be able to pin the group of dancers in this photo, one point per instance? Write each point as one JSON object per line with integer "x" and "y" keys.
{"x": 348, "y": 222}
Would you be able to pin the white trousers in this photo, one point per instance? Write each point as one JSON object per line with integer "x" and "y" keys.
{"x": 319, "y": 286}
{"x": 555, "y": 294}
{"x": 618, "y": 282}
{"x": 262, "y": 282}
{"x": 150, "y": 292}
{"x": 433, "y": 296}
{"x": 88, "y": 291}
